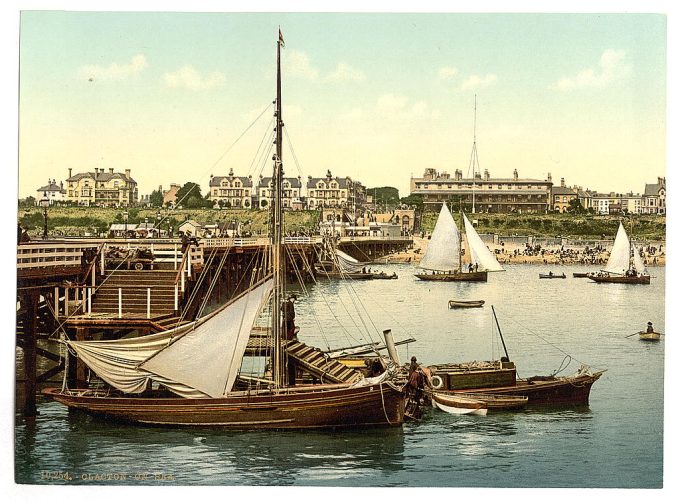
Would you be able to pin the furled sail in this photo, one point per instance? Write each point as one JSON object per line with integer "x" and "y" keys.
{"x": 619, "y": 258}
{"x": 201, "y": 359}
{"x": 480, "y": 253}
{"x": 443, "y": 250}
{"x": 346, "y": 263}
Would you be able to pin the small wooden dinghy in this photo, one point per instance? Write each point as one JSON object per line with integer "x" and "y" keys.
{"x": 458, "y": 405}
{"x": 650, "y": 337}
{"x": 581, "y": 274}
{"x": 465, "y": 304}
{"x": 497, "y": 402}
{"x": 552, "y": 276}
{"x": 383, "y": 275}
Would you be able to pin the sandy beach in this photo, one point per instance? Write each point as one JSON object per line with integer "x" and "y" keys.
{"x": 512, "y": 253}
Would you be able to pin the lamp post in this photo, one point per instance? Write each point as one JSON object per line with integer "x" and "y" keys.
{"x": 158, "y": 223}
{"x": 45, "y": 203}
{"x": 125, "y": 220}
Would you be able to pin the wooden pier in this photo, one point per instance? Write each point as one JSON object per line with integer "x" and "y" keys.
{"x": 74, "y": 287}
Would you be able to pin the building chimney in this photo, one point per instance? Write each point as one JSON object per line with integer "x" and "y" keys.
{"x": 127, "y": 173}
{"x": 550, "y": 177}
{"x": 110, "y": 170}
{"x": 515, "y": 175}
{"x": 486, "y": 174}
{"x": 562, "y": 182}
{"x": 69, "y": 172}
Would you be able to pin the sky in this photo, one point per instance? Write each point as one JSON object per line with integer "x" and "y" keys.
{"x": 377, "y": 97}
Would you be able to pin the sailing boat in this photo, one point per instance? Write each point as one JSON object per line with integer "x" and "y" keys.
{"x": 443, "y": 254}
{"x": 625, "y": 265}
{"x": 189, "y": 375}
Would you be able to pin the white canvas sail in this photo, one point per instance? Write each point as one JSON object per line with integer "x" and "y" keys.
{"x": 197, "y": 360}
{"x": 346, "y": 263}
{"x": 480, "y": 254}
{"x": 637, "y": 260}
{"x": 208, "y": 358}
{"x": 443, "y": 250}
{"x": 620, "y": 255}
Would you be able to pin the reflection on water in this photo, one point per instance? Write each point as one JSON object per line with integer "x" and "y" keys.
{"x": 616, "y": 441}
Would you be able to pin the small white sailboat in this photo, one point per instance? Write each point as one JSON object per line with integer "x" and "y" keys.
{"x": 443, "y": 254}
{"x": 625, "y": 265}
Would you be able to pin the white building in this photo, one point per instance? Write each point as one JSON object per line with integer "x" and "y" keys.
{"x": 53, "y": 192}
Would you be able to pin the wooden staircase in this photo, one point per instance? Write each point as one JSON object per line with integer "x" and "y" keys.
{"x": 316, "y": 363}
{"x": 134, "y": 286}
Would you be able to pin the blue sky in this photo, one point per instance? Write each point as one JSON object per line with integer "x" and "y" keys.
{"x": 374, "y": 96}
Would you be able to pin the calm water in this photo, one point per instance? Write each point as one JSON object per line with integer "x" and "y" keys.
{"x": 615, "y": 442}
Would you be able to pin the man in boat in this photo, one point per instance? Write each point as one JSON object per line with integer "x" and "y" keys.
{"x": 415, "y": 386}
{"x": 650, "y": 328}
{"x": 289, "y": 316}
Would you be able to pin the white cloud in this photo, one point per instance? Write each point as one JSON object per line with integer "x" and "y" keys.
{"x": 475, "y": 81}
{"x": 189, "y": 77}
{"x": 392, "y": 105}
{"x": 114, "y": 71}
{"x": 345, "y": 73}
{"x": 447, "y": 73}
{"x": 611, "y": 68}
{"x": 297, "y": 65}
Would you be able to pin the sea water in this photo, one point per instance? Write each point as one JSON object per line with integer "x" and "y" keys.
{"x": 548, "y": 325}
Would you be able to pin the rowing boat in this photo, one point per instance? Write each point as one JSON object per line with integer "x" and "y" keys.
{"x": 465, "y": 304}
{"x": 458, "y": 405}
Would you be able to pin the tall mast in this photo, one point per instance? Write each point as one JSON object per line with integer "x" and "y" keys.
{"x": 474, "y": 160}
{"x": 277, "y": 224}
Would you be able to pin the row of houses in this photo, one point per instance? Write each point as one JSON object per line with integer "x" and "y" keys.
{"x": 526, "y": 195}
{"x": 651, "y": 201}
{"x": 482, "y": 192}
{"x": 114, "y": 189}
{"x": 327, "y": 191}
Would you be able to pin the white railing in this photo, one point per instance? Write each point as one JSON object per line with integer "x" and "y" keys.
{"x": 50, "y": 254}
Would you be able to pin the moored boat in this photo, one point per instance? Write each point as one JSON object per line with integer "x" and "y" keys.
{"x": 191, "y": 375}
{"x": 550, "y": 275}
{"x": 465, "y": 304}
{"x": 458, "y": 405}
{"x": 492, "y": 402}
{"x": 499, "y": 377}
{"x": 580, "y": 274}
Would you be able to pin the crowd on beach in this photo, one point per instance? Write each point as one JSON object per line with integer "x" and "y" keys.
{"x": 538, "y": 254}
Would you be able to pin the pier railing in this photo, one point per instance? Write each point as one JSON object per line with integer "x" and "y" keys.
{"x": 50, "y": 254}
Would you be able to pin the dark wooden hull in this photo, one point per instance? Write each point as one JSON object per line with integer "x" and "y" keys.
{"x": 574, "y": 390}
{"x": 620, "y": 279}
{"x": 333, "y": 407}
{"x": 358, "y": 276}
{"x": 548, "y": 276}
{"x": 385, "y": 277}
{"x": 580, "y": 274}
{"x": 458, "y": 276}
{"x": 465, "y": 304}
{"x": 650, "y": 337}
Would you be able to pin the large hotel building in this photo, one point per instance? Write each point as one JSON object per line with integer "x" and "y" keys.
{"x": 491, "y": 195}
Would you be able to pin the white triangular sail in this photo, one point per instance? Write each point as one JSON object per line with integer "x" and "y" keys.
{"x": 480, "y": 254}
{"x": 637, "y": 261}
{"x": 208, "y": 358}
{"x": 619, "y": 258}
{"x": 443, "y": 250}
{"x": 202, "y": 358}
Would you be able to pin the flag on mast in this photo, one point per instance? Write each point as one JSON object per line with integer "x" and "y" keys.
{"x": 283, "y": 44}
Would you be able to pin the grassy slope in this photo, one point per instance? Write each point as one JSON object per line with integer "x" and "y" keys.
{"x": 77, "y": 221}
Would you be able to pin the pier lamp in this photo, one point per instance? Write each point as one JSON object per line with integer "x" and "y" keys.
{"x": 125, "y": 220}
{"x": 158, "y": 222}
{"x": 45, "y": 203}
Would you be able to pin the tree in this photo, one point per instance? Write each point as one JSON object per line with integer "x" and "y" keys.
{"x": 413, "y": 200}
{"x": 156, "y": 198}
{"x": 27, "y": 202}
{"x": 189, "y": 190}
{"x": 575, "y": 207}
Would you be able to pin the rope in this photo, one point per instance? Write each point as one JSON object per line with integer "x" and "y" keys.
{"x": 382, "y": 397}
